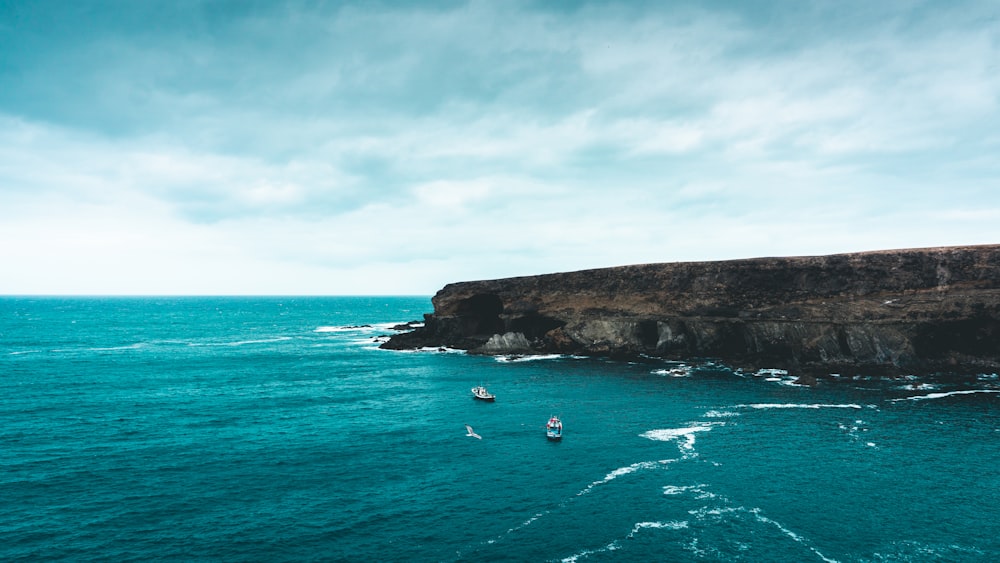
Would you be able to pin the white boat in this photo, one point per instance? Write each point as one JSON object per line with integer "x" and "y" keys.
{"x": 554, "y": 429}
{"x": 482, "y": 394}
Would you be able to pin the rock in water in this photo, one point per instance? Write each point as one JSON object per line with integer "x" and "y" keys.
{"x": 507, "y": 343}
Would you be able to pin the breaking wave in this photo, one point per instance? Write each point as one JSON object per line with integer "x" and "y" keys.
{"x": 797, "y": 406}
{"x": 947, "y": 394}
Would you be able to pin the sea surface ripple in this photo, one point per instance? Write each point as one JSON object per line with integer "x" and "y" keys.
{"x": 274, "y": 429}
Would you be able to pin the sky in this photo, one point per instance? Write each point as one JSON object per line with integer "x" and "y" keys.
{"x": 339, "y": 148}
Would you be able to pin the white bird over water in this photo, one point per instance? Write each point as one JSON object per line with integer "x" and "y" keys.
{"x": 471, "y": 433}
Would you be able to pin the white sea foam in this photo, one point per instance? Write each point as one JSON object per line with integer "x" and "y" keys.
{"x": 442, "y": 350}
{"x": 135, "y": 346}
{"x": 791, "y": 534}
{"x": 238, "y": 342}
{"x": 717, "y": 512}
{"x": 720, "y": 414}
{"x": 529, "y": 357}
{"x": 779, "y": 376}
{"x": 792, "y": 382}
{"x": 797, "y": 406}
{"x": 530, "y": 520}
{"x": 704, "y": 511}
{"x": 668, "y": 434}
{"x": 701, "y": 493}
{"x": 948, "y": 394}
{"x": 587, "y": 552}
{"x": 335, "y": 329}
{"x": 377, "y": 327}
{"x": 625, "y": 471}
{"x": 673, "y": 525}
{"x": 680, "y": 371}
{"x": 675, "y": 490}
{"x": 258, "y": 341}
{"x": 677, "y": 434}
{"x": 918, "y": 387}
{"x": 351, "y": 328}
{"x": 919, "y": 551}
{"x": 524, "y": 524}
{"x": 855, "y": 430}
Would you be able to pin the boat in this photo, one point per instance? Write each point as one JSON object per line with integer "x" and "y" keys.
{"x": 482, "y": 394}
{"x": 554, "y": 428}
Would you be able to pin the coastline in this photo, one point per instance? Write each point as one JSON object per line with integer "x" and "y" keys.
{"x": 881, "y": 313}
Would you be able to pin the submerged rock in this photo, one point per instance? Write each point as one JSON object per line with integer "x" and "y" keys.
{"x": 886, "y": 312}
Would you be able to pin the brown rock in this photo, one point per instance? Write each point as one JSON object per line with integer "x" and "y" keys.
{"x": 878, "y": 312}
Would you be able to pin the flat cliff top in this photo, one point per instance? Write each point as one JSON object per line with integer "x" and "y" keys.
{"x": 884, "y": 281}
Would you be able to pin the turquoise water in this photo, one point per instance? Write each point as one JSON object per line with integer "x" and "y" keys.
{"x": 274, "y": 429}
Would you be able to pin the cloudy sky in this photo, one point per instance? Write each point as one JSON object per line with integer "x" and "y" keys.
{"x": 239, "y": 147}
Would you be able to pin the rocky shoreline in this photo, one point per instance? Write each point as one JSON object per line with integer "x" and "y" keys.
{"x": 931, "y": 310}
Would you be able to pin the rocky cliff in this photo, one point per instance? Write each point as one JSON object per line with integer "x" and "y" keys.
{"x": 899, "y": 311}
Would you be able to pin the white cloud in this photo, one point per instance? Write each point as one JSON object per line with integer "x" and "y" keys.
{"x": 370, "y": 149}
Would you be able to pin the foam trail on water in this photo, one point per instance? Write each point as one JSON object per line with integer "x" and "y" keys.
{"x": 720, "y": 414}
{"x": 674, "y": 525}
{"x": 948, "y": 394}
{"x": 258, "y": 341}
{"x": 705, "y": 511}
{"x": 239, "y": 342}
{"x": 528, "y": 521}
{"x": 587, "y": 552}
{"x": 771, "y": 373}
{"x": 21, "y": 352}
{"x": 799, "y": 406}
{"x": 699, "y": 489}
{"x": 607, "y": 478}
{"x": 135, "y": 346}
{"x": 680, "y": 371}
{"x": 524, "y": 524}
{"x": 919, "y": 387}
{"x": 529, "y": 358}
{"x": 616, "y": 545}
{"x": 336, "y": 329}
{"x": 677, "y": 434}
{"x": 625, "y": 471}
{"x": 362, "y": 328}
{"x": 791, "y": 534}
{"x": 442, "y": 350}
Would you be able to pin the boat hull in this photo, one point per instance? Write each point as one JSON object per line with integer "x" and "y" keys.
{"x": 554, "y": 429}
{"x": 481, "y": 394}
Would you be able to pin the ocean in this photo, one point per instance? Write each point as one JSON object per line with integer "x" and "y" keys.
{"x": 274, "y": 429}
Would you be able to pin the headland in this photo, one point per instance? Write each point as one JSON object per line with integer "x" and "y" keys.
{"x": 928, "y": 310}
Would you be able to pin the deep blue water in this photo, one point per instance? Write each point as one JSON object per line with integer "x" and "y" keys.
{"x": 273, "y": 429}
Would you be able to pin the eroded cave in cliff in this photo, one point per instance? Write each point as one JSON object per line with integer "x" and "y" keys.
{"x": 534, "y": 325}
{"x": 649, "y": 334}
{"x": 978, "y": 336}
{"x": 480, "y": 315}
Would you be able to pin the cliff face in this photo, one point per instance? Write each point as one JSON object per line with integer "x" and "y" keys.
{"x": 899, "y": 311}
